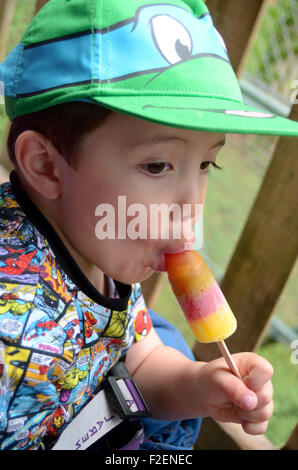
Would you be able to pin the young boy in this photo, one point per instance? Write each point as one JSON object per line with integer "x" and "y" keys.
{"x": 110, "y": 98}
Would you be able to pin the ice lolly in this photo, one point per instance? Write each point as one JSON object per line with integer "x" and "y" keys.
{"x": 202, "y": 301}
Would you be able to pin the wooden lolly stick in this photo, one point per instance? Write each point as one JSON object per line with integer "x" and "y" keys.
{"x": 229, "y": 360}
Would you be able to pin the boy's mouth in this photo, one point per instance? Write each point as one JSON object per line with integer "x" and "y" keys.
{"x": 160, "y": 264}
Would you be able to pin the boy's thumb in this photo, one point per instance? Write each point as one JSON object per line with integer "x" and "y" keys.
{"x": 240, "y": 394}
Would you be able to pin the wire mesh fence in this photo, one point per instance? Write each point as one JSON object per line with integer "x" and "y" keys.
{"x": 273, "y": 59}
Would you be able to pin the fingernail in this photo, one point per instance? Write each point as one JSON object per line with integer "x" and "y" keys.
{"x": 249, "y": 402}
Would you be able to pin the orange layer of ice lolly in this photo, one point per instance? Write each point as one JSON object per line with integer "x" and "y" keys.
{"x": 200, "y": 297}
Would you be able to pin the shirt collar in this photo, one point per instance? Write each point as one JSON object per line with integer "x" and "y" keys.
{"x": 63, "y": 257}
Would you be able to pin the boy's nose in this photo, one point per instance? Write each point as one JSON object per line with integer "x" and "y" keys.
{"x": 192, "y": 191}
{"x": 182, "y": 229}
{"x": 191, "y": 197}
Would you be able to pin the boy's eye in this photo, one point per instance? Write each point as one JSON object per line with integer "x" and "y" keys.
{"x": 155, "y": 168}
{"x": 205, "y": 166}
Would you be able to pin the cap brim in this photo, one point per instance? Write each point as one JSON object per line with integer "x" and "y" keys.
{"x": 202, "y": 114}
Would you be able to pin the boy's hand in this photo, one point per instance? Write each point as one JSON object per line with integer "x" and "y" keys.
{"x": 226, "y": 398}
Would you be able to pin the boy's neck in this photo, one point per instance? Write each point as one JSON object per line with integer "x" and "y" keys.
{"x": 92, "y": 272}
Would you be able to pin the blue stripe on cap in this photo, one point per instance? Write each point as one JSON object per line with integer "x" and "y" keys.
{"x": 10, "y": 69}
{"x": 56, "y": 63}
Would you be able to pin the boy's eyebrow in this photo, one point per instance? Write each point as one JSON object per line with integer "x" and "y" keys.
{"x": 161, "y": 139}
{"x": 221, "y": 143}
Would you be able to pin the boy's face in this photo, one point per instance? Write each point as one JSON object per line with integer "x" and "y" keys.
{"x": 145, "y": 163}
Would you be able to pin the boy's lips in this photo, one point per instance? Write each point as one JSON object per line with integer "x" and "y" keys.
{"x": 160, "y": 264}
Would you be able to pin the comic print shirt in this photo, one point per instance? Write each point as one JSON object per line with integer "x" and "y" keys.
{"x": 58, "y": 334}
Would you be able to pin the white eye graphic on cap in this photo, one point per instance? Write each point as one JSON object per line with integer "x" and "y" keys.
{"x": 172, "y": 38}
{"x": 255, "y": 114}
{"x": 221, "y": 40}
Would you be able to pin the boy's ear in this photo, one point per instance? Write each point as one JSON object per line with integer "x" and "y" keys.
{"x": 37, "y": 160}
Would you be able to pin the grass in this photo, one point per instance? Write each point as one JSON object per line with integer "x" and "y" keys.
{"x": 285, "y": 378}
{"x": 231, "y": 194}
{"x": 23, "y": 14}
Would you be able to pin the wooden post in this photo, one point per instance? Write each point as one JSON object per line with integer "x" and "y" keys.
{"x": 39, "y": 5}
{"x": 292, "y": 442}
{"x": 4, "y": 174}
{"x": 229, "y": 436}
{"x": 266, "y": 251}
{"x": 7, "y": 8}
{"x": 4, "y": 158}
{"x": 238, "y": 23}
{"x": 151, "y": 288}
{"x": 263, "y": 258}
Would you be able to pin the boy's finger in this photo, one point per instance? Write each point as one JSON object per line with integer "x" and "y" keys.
{"x": 258, "y": 415}
{"x": 254, "y": 428}
{"x": 265, "y": 394}
{"x": 237, "y": 392}
{"x": 259, "y": 372}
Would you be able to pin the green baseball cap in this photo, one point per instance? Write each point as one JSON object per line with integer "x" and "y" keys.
{"x": 164, "y": 62}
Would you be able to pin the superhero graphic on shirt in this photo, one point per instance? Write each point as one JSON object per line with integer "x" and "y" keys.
{"x": 56, "y": 343}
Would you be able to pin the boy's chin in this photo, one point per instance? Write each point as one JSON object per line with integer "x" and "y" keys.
{"x": 135, "y": 278}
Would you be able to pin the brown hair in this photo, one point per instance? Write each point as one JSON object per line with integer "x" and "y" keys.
{"x": 64, "y": 125}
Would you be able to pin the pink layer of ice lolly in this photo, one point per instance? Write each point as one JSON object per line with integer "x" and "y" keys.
{"x": 200, "y": 305}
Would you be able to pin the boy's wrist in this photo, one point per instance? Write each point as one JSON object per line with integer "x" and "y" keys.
{"x": 195, "y": 381}
{"x": 189, "y": 393}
